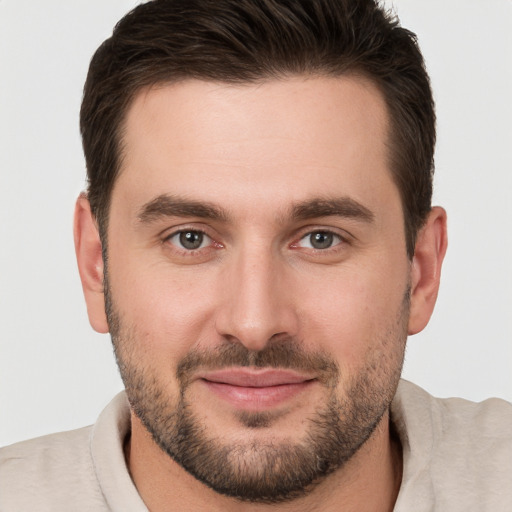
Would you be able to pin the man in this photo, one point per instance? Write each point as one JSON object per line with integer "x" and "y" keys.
{"x": 258, "y": 239}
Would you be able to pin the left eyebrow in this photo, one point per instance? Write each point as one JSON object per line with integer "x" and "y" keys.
{"x": 166, "y": 205}
{"x": 327, "y": 207}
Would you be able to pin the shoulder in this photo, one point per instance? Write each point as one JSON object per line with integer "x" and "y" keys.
{"x": 456, "y": 450}
{"x": 79, "y": 470}
{"x": 491, "y": 418}
{"x": 53, "y": 445}
{"x": 44, "y": 473}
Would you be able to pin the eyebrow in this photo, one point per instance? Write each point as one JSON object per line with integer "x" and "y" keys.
{"x": 166, "y": 205}
{"x": 326, "y": 207}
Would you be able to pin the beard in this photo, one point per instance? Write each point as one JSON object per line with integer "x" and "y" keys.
{"x": 251, "y": 469}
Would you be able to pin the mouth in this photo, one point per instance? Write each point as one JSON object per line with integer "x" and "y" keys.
{"x": 255, "y": 389}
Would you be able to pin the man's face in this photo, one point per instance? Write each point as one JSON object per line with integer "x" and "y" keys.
{"x": 258, "y": 278}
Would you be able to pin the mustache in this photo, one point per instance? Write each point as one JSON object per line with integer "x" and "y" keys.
{"x": 282, "y": 353}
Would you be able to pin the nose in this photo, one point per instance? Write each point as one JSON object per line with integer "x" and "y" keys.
{"x": 257, "y": 303}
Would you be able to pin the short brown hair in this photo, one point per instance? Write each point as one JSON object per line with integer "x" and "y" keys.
{"x": 244, "y": 41}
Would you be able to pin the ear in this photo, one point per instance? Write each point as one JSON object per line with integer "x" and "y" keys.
{"x": 90, "y": 263}
{"x": 428, "y": 258}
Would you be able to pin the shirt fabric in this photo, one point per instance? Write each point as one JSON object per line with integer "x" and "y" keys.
{"x": 457, "y": 457}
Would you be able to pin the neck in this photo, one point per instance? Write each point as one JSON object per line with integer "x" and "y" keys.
{"x": 369, "y": 482}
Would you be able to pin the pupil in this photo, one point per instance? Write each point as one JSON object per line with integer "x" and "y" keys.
{"x": 321, "y": 240}
{"x": 191, "y": 239}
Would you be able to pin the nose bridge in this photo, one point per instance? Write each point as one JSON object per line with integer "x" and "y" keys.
{"x": 256, "y": 305}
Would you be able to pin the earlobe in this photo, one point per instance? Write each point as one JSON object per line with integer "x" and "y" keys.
{"x": 90, "y": 263}
{"x": 428, "y": 258}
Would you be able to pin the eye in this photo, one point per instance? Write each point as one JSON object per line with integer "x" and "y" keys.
{"x": 190, "y": 240}
{"x": 320, "y": 240}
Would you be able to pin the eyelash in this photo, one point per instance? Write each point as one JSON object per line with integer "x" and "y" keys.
{"x": 341, "y": 240}
{"x": 213, "y": 244}
{"x": 330, "y": 235}
{"x": 190, "y": 251}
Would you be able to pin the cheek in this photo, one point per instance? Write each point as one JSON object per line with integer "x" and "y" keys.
{"x": 170, "y": 312}
{"x": 355, "y": 316}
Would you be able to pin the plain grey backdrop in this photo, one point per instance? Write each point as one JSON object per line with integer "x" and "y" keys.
{"x": 57, "y": 374}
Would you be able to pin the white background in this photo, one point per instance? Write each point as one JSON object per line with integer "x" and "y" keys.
{"x": 57, "y": 374}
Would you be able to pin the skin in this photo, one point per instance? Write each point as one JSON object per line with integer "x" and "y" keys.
{"x": 256, "y": 152}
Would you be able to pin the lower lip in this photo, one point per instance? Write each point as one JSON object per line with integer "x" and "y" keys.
{"x": 257, "y": 398}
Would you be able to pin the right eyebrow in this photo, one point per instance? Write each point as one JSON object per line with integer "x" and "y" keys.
{"x": 166, "y": 205}
{"x": 326, "y": 207}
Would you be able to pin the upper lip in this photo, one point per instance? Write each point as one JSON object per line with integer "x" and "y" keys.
{"x": 257, "y": 378}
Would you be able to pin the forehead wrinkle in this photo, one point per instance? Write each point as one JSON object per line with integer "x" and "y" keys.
{"x": 166, "y": 205}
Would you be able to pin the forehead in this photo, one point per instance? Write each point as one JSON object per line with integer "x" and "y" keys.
{"x": 294, "y": 137}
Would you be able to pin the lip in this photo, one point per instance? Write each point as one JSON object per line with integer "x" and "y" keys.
{"x": 255, "y": 389}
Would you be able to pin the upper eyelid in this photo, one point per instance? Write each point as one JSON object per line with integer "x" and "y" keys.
{"x": 322, "y": 230}
{"x": 309, "y": 233}
{"x": 167, "y": 235}
{"x": 335, "y": 246}
{"x": 179, "y": 231}
{"x": 179, "y": 250}
{"x": 296, "y": 236}
{"x": 209, "y": 240}
{"x": 307, "y": 230}
{"x": 172, "y": 231}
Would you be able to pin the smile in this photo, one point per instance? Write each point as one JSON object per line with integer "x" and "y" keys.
{"x": 256, "y": 390}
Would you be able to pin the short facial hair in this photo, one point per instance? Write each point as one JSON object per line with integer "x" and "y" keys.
{"x": 254, "y": 470}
